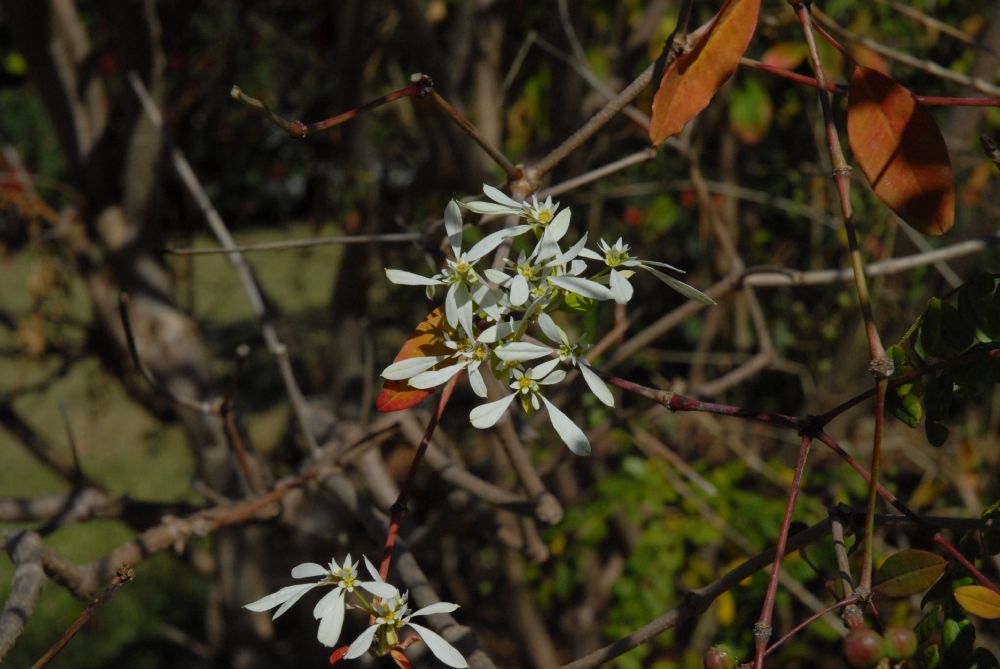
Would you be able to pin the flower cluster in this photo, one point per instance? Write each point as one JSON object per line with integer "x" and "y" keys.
{"x": 388, "y": 610}
{"x": 491, "y": 312}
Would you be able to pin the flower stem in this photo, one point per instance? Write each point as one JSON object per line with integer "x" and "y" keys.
{"x": 399, "y": 506}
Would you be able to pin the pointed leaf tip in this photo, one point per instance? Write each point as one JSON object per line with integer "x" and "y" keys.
{"x": 901, "y": 151}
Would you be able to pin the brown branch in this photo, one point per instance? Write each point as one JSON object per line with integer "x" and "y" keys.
{"x": 25, "y": 549}
{"x": 389, "y": 238}
{"x": 122, "y": 576}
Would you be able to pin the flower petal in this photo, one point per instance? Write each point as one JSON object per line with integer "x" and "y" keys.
{"x": 681, "y": 287}
{"x": 568, "y": 431}
{"x": 574, "y": 251}
{"x": 621, "y": 289}
{"x": 280, "y": 597}
{"x": 662, "y": 264}
{"x": 439, "y": 607}
{"x": 404, "y": 369}
{"x": 496, "y": 276}
{"x": 500, "y": 197}
{"x": 307, "y": 569}
{"x": 294, "y": 598}
{"x": 372, "y": 570}
{"x": 487, "y": 415}
{"x": 442, "y": 650}
{"x": 362, "y": 643}
{"x": 596, "y": 384}
{"x": 380, "y": 589}
{"x": 592, "y": 255}
{"x": 453, "y": 226}
{"x": 492, "y": 209}
{"x": 557, "y": 228}
{"x": 333, "y": 598}
{"x": 477, "y": 382}
{"x": 551, "y": 330}
{"x": 404, "y": 278}
{"x": 493, "y": 240}
{"x": 436, "y": 377}
{"x": 543, "y": 370}
{"x": 553, "y": 378}
{"x": 519, "y": 290}
{"x": 522, "y": 350}
{"x": 332, "y": 622}
{"x": 584, "y": 287}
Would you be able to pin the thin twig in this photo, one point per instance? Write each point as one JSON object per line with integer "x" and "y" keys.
{"x": 122, "y": 576}
{"x": 389, "y": 238}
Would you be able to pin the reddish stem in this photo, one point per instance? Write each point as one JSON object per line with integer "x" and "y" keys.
{"x": 762, "y": 630}
{"x": 399, "y": 506}
{"x": 808, "y": 621}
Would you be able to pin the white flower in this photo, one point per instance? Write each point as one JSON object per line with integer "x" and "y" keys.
{"x": 567, "y": 351}
{"x": 526, "y": 386}
{"x": 620, "y": 262}
{"x": 458, "y": 274}
{"x": 539, "y": 213}
{"x": 392, "y": 614}
{"x": 330, "y": 609}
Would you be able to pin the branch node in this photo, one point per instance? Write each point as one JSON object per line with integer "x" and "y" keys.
{"x": 881, "y": 368}
{"x": 762, "y": 631}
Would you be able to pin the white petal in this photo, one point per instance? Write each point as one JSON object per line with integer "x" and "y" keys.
{"x": 661, "y": 264}
{"x": 621, "y": 289}
{"x": 404, "y": 369}
{"x": 584, "y": 287}
{"x": 291, "y": 600}
{"x": 487, "y": 415}
{"x": 331, "y": 623}
{"x": 551, "y": 330}
{"x": 519, "y": 290}
{"x": 681, "y": 287}
{"x": 307, "y": 569}
{"x": 436, "y": 377}
{"x": 453, "y": 226}
{"x": 361, "y": 644}
{"x": 451, "y": 305}
{"x": 543, "y": 370}
{"x": 477, "y": 382}
{"x": 380, "y": 589}
{"x": 593, "y": 255}
{"x": 498, "y": 331}
{"x": 442, "y": 650}
{"x": 326, "y": 603}
{"x": 576, "y": 268}
{"x": 522, "y": 350}
{"x": 464, "y": 301}
{"x": 491, "y": 208}
{"x": 557, "y": 227}
{"x": 596, "y": 384}
{"x": 500, "y": 197}
{"x": 404, "y": 278}
{"x": 571, "y": 435}
{"x": 553, "y": 378}
{"x": 280, "y": 597}
{"x": 372, "y": 570}
{"x": 439, "y": 607}
{"x": 496, "y": 276}
{"x": 493, "y": 240}
{"x": 574, "y": 251}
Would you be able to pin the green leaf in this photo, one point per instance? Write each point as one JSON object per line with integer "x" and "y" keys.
{"x": 959, "y": 637}
{"x": 906, "y": 407}
{"x": 929, "y": 624}
{"x": 979, "y": 601}
{"x": 957, "y": 333}
{"x": 930, "y": 658}
{"x": 985, "y": 659}
{"x": 937, "y": 433}
{"x": 930, "y": 329}
{"x": 908, "y": 572}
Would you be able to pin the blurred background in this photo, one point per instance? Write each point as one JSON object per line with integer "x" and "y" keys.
{"x": 90, "y": 198}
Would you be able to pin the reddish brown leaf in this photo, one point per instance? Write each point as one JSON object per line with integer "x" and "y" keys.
{"x": 426, "y": 339}
{"x": 901, "y": 151}
{"x": 690, "y": 82}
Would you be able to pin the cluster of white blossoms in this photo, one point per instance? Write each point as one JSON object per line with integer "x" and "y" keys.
{"x": 388, "y": 610}
{"x": 492, "y": 313}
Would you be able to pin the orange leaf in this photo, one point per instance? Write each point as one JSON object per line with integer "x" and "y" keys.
{"x": 690, "y": 82}
{"x": 426, "y": 339}
{"x": 786, "y": 55}
{"x": 901, "y": 151}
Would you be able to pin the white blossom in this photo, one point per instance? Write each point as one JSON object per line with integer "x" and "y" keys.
{"x": 391, "y": 614}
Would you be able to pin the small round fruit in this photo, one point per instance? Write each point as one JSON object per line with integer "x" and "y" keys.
{"x": 900, "y": 643}
{"x": 720, "y": 657}
{"x": 863, "y": 647}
